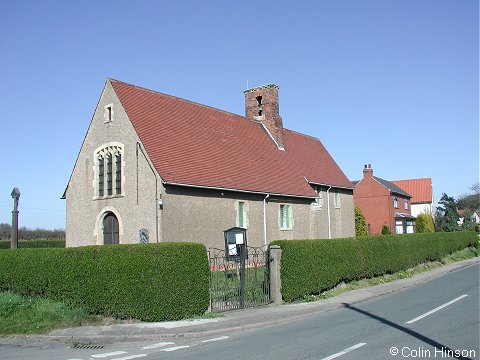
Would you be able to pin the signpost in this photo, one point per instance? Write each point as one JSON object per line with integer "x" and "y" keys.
{"x": 16, "y": 196}
{"x": 236, "y": 250}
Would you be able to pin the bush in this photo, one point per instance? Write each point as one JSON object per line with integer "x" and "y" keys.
{"x": 150, "y": 282}
{"x": 310, "y": 267}
{"x": 424, "y": 224}
{"x": 386, "y": 230}
{"x": 6, "y": 244}
{"x": 25, "y": 233}
{"x": 360, "y": 224}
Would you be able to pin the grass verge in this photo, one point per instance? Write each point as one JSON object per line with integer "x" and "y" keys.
{"x": 20, "y": 315}
{"x": 25, "y": 315}
{"x": 461, "y": 255}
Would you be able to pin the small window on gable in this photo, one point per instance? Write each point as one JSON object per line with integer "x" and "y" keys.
{"x": 405, "y": 204}
{"x": 108, "y": 114}
{"x": 395, "y": 202}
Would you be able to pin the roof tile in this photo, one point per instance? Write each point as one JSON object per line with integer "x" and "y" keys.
{"x": 420, "y": 189}
{"x": 197, "y": 145}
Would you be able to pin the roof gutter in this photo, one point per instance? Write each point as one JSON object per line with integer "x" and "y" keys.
{"x": 237, "y": 190}
{"x": 335, "y": 186}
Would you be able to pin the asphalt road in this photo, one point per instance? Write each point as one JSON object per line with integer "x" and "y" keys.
{"x": 373, "y": 329}
{"x": 436, "y": 319}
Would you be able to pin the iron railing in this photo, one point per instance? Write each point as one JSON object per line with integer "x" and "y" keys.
{"x": 238, "y": 283}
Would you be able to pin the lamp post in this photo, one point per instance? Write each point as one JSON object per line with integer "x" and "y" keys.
{"x": 16, "y": 197}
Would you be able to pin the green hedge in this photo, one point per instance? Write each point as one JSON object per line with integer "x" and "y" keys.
{"x": 6, "y": 244}
{"x": 312, "y": 266}
{"x": 149, "y": 282}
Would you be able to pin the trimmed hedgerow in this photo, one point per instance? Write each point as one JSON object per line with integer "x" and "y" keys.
{"x": 309, "y": 267}
{"x": 149, "y": 282}
{"x": 6, "y": 244}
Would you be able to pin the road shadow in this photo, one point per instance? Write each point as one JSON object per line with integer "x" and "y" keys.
{"x": 444, "y": 349}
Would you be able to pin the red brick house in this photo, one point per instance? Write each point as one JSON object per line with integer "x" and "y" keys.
{"x": 383, "y": 203}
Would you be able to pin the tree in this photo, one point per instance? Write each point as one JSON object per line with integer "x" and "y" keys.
{"x": 468, "y": 223}
{"x": 386, "y": 230}
{"x": 424, "y": 224}
{"x": 360, "y": 224}
{"x": 446, "y": 216}
{"x": 470, "y": 201}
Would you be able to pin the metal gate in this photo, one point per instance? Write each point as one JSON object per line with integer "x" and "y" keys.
{"x": 238, "y": 283}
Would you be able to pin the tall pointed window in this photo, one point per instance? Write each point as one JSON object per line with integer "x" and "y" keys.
{"x": 118, "y": 173}
{"x": 100, "y": 175}
{"x": 109, "y": 170}
{"x": 109, "y": 174}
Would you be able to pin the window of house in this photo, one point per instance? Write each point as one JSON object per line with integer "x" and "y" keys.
{"x": 409, "y": 226}
{"x": 405, "y": 203}
{"x": 319, "y": 198}
{"x": 118, "y": 173}
{"x": 336, "y": 200}
{"x": 242, "y": 220}
{"x": 399, "y": 227}
{"x": 100, "y": 175}
{"x": 109, "y": 174}
{"x": 395, "y": 202}
{"x": 108, "y": 171}
{"x": 285, "y": 217}
{"x": 108, "y": 113}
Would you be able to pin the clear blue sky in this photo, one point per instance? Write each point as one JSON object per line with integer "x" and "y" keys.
{"x": 391, "y": 83}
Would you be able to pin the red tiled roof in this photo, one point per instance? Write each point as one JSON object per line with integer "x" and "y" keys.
{"x": 193, "y": 144}
{"x": 420, "y": 189}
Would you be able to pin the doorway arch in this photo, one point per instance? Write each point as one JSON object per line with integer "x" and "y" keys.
{"x": 110, "y": 228}
{"x": 99, "y": 224}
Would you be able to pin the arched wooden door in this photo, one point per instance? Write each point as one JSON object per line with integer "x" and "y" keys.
{"x": 110, "y": 229}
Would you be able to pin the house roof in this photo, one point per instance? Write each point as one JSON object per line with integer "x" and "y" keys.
{"x": 420, "y": 189}
{"x": 392, "y": 187}
{"x": 196, "y": 145}
{"x": 388, "y": 184}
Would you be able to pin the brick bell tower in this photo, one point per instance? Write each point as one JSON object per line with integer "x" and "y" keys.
{"x": 261, "y": 105}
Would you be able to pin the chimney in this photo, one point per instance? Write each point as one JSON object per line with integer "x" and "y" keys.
{"x": 261, "y": 104}
{"x": 367, "y": 171}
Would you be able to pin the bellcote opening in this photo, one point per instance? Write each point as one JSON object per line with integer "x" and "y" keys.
{"x": 260, "y": 105}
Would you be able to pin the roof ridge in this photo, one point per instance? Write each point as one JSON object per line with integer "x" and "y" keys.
{"x": 176, "y": 97}
{"x": 302, "y": 134}
{"x": 423, "y": 178}
{"x": 401, "y": 192}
